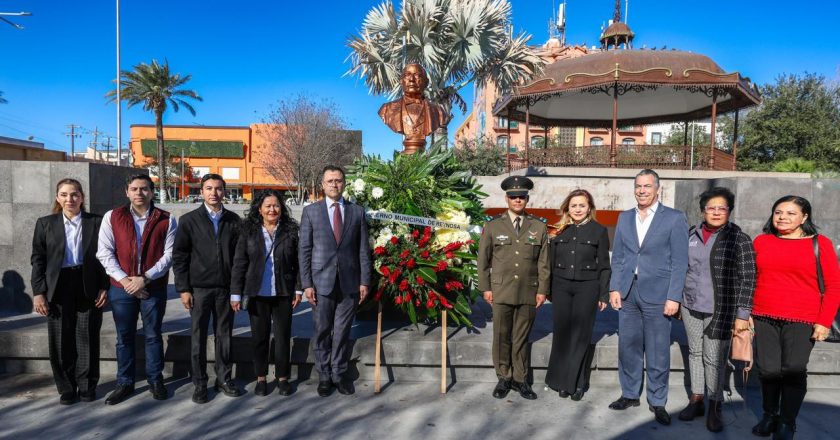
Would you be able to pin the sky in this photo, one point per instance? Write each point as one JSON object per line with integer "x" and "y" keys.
{"x": 246, "y": 55}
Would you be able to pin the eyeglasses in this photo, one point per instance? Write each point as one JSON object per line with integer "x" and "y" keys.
{"x": 713, "y": 209}
{"x": 518, "y": 197}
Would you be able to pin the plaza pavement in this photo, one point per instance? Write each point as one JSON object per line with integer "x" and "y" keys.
{"x": 29, "y": 410}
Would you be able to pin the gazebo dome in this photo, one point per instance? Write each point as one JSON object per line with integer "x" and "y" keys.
{"x": 616, "y": 34}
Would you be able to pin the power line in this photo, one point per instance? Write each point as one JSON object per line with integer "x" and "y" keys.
{"x": 72, "y": 135}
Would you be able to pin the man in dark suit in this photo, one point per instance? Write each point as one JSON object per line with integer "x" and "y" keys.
{"x": 335, "y": 275}
{"x": 201, "y": 260}
{"x": 649, "y": 263}
{"x": 70, "y": 288}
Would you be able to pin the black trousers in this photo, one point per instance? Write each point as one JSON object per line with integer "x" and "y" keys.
{"x": 207, "y": 303}
{"x": 574, "y": 306}
{"x": 269, "y": 313}
{"x": 73, "y": 325}
{"x": 782, "y": 352}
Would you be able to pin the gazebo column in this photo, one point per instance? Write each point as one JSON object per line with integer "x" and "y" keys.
{"x": 613, "y": 150}
{"x": 686, "y": 152}
{"x": 528, "y": 134}
{"x": 712, "y": 131}
{"x": 735, "y": 144}
{"x": 545, "y": 138}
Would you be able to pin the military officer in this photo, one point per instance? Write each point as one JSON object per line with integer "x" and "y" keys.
{"x": 513, "y": 273}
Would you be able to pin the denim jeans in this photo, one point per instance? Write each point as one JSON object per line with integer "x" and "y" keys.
{"x": 125, "y": 309}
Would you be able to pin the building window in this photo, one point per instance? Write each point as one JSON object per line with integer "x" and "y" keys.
{"x": 596, "y": 141}
{"x": 199, "y": 172}
{"x": 503, "y": 123}
{"x": 538, "y": 142}
{"x": 230, "y": 173}
{"x": 502, "y": 142}
{"x": 656, "y": 138}
{"x": 628, "y": 141}
{"x": 566, "y": 136}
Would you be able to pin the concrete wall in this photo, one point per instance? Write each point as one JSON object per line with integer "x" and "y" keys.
{"x": 27, "y": 192}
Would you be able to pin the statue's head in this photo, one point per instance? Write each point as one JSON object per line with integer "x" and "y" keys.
{"x": 414, "y": 80}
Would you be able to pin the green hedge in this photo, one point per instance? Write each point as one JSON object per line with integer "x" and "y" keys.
{"x": 225, "y": 149}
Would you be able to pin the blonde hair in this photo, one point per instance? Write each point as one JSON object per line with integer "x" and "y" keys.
{"x": 57, "y": 206}
{"x": 565, "y": 218}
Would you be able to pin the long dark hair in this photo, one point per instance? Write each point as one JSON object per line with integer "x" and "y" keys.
{"x": 75, "y": 183}
{"x": 254, "y": 220}
{"x": 808, "y": 227}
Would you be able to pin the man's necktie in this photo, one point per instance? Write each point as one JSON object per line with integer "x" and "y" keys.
{"x": 516, "y": 224}
{"x": 338, "y": 225}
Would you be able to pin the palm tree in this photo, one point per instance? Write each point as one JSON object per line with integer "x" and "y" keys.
{"x": 156, "y": 88}
{"x": 456, "y": 41}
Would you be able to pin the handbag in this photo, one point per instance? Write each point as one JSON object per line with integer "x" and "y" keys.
{"x": 742, "y": 350}
{"x": 834, "y": 331}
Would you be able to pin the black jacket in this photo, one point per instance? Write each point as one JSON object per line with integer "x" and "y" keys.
{"x": 582, "y": 253}
{"x": 249, "y": 262}
{"x": 200, "y": 258}
{"x": 48, "y": 244}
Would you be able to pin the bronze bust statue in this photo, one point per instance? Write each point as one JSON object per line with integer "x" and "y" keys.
{"x": 412, "y": 115}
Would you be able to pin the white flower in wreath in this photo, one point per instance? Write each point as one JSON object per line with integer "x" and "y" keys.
{"x": 384, "y": 237}
{"x": 377, "y": 192}
{"x": 358, "y": 186}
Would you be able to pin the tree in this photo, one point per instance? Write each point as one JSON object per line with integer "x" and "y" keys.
{"x": 156, "y": 88}
{"x": 798, "y": 118}
{"x": 481, "y": 156}
{"x": 172, "y": 168}
{"x": 456, "y": 41}
{"x": 303, "y": 135}
{"x": 677, "y": 135}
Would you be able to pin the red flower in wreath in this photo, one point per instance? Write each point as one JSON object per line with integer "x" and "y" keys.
{"x": 398, "y": 300}
{"x": 441, "y": 266}
{"x": 385, "y": 270}
{"x": 430, "y": 303}
{"x": 415, "y": 233}
{"x": 411, "y": 264}
{"x": 419, "y": 280}
{"x": 405, "y": 253}
{"x": 395, "y": 240}
{"x": 450, "y": 255}
{"x": 403, "y": 285}
{"x": 380, "y": 250}
{"x": 424, "y": 254}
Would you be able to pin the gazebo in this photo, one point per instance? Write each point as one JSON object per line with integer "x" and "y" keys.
{"x": 619, "y": 86}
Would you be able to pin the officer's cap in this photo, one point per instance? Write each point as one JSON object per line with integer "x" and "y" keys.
{"x": 517, "y": 185}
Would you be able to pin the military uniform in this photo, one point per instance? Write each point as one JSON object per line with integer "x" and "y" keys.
{"x": 515, "y": 267}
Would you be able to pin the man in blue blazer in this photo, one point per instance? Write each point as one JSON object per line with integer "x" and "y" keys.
{"x": 649, "y": 263}
{"x": 335, "y": 274}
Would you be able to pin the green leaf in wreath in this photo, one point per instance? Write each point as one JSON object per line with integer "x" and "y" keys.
{"x": 428, "y": 275}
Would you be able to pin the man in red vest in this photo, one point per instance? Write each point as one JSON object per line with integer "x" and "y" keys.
{"x": 135, "y": 248}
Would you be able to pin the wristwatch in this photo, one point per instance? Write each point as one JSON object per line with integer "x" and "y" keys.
{"x": 146, "y": 280}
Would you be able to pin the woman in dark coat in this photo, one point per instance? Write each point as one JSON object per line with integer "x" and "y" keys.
{"x": 718, "y": 295}
{"x": 70, "y": 289}
{"x": 265, "y": 280}
{"x": 580, "y": 276}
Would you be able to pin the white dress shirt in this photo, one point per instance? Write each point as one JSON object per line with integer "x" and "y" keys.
{"x": 331, "y": 209}
{"x": 73, "y": 240}
{"x": 215, "y": 217}
{"x": 107, "y": 254}
{"x": 643, "y": 225}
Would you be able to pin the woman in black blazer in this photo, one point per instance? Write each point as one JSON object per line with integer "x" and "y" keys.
{"x": 70, "y": 288}
{"x": 265, "y": 281}
{"x": 580, "y": 276}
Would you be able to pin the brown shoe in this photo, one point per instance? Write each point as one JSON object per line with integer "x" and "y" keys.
{"x": 695, "y": 408}
{"x": 714, "y": 419}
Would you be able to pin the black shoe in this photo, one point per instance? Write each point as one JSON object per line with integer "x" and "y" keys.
{"x": 261, "y": 389}
{"x": 714, "y": 420}
{"x": 284, "y": 388}
{"x": 623, "y": 403}
{"x": 325, "y": 388}
{"x": 200, "y": 394}
{"x": 158, "y": 390}
{"x": 88, "y": 396}
{"x": 766, "y": 426}
{"x": 229, "y": 388}
{"x": 563, "y": 393}
{"x": 67, "y": 398}
{"x": 695, "y": 408}
{"x": 660, "y": 415}
{"x": 345, "y": 386}
{"x": 121, "y": 393}
{"x": 502, "y": 389}
{"x": 524, "y": 390}
{"x": 577, "y": 395}
{"x": 784, "y": 431}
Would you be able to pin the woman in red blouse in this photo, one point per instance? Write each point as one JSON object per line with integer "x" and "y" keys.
{"x": 789, "y": 310}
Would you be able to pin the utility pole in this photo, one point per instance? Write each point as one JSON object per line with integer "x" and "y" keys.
{"x": 72, "y": 135}
{"x": 95, "y": 141}
{"x": 119, "y": 92}
{"x": 108, "y": 148}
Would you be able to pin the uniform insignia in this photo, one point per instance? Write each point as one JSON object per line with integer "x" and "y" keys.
{"x": 502, "y": 237}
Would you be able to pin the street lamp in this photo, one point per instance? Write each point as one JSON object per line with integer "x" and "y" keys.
{"x": 14, "y": 14}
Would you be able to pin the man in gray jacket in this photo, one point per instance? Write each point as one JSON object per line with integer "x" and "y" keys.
{"x": 335, "y": 274}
